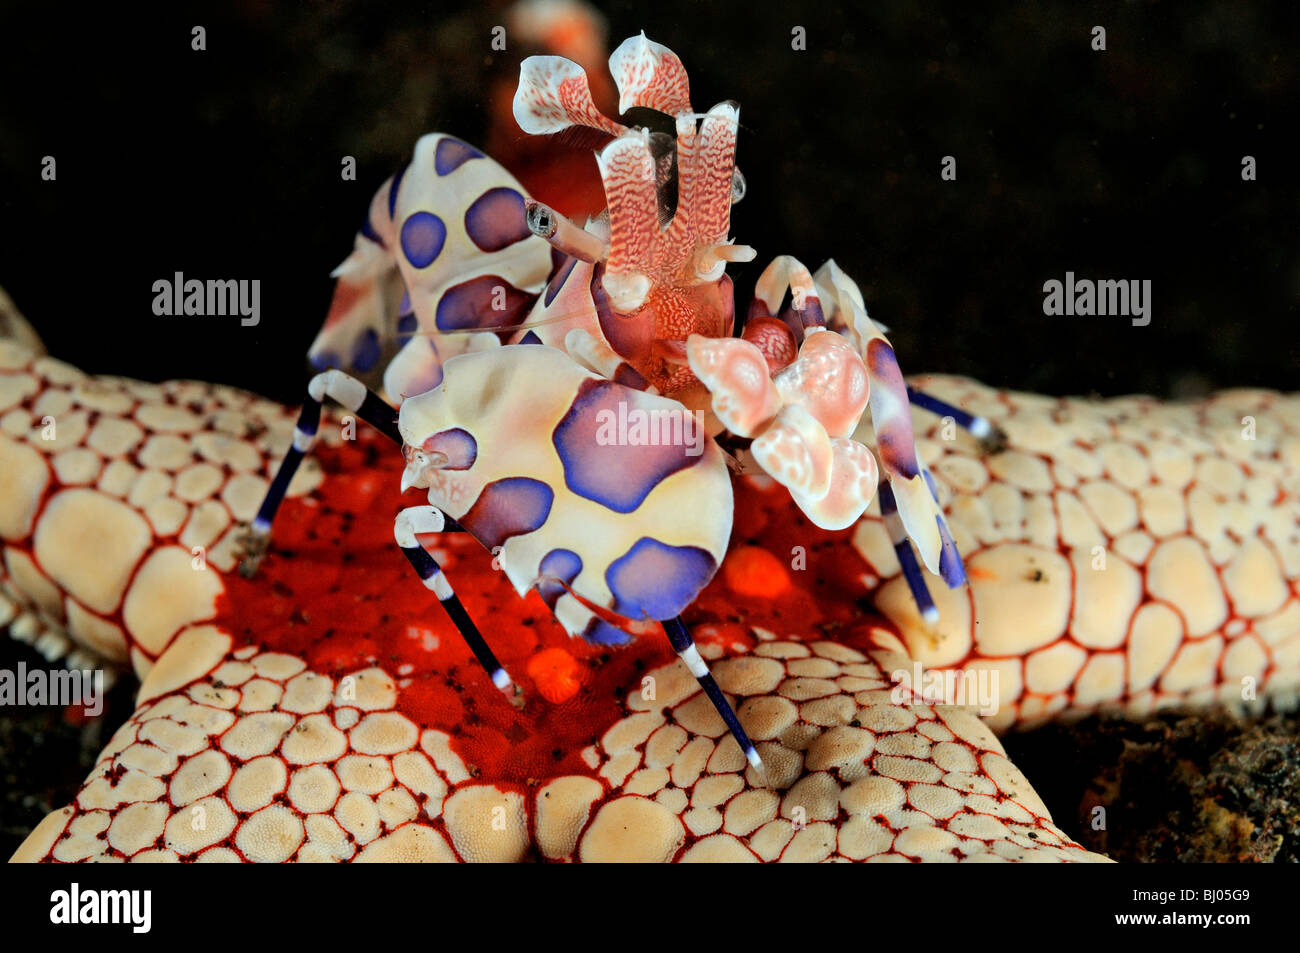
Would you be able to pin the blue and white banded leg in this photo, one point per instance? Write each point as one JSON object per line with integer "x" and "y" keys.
{"x": 429, "y": 519}
{"x": 680, "y": 638}
{"x": 906, "y": 555}
{"x": 991, "y": 437}
{"x": 354, "y": 397}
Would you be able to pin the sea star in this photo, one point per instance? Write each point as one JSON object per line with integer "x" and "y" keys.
{"x": 290, "y": 717}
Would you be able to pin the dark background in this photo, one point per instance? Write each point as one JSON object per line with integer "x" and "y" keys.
{"x": 1122, "y": 164}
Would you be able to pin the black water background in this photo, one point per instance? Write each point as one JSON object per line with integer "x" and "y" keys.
{"x": 1122, "y": 164}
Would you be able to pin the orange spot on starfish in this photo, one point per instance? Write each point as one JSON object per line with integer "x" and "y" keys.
{"x": 557, "y": 674}
{"x": 751, "y": 571}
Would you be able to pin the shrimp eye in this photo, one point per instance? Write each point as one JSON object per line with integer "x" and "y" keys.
{"x": 737, "y": 186}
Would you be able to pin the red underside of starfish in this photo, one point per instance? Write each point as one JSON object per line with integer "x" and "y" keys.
{"x": 336, "y": 592}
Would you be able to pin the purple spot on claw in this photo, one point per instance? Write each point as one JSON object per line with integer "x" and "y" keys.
{"x": 557, "y": 282}
{"x": 423, "y": 236}
{"x": 367, "y": 351}
{"x": 451, "y": 154}
{"x": 496, "y": 219}
{"x": 600, "y": 632}
{"x": 392, "y": 192}
{"x": 368, "y": 230}
{"x": 457, "y": 445}
{"x": 606, "y": 458}
{"x": 557, "y": 569}
{"x": 653, "y": 580}
{"x": 488, "y": 301}
{"x": 507, "y": 508}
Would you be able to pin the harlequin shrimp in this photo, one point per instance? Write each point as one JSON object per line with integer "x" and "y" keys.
{"x": 519, "y": 334}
